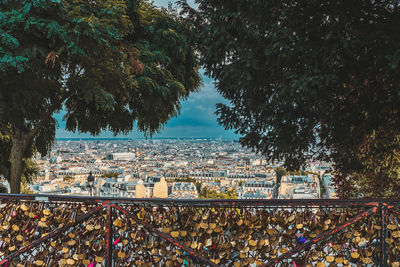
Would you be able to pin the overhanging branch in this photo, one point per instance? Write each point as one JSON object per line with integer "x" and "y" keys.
{"x": 46, "y": 116}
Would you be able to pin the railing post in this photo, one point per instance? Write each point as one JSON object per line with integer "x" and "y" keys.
{"x": 384, "y": 219}
{"x": 109, "y": 235}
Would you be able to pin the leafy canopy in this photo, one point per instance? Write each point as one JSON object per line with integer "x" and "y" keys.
{"x": 304, "y": 78}
{"x": 113, "y": 62}
{"x": 207, "y": 193}
{"x": 50, "y": 55}
{"x": 108, "y": 63}
{"x": 378, "y": 175}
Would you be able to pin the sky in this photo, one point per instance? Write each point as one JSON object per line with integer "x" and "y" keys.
{"x": 197, "y": 118}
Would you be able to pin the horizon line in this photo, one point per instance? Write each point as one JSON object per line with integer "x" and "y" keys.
{"x": 141, "y": 138}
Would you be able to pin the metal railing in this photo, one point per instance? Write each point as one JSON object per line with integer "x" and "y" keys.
{"x": 49, "y": 230}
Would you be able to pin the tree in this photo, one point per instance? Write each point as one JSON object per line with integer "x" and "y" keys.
{"x": 279, "y": 171}
{"x": 198, "y": 186}
{"x": 68, "y": 178}
{"x": 113, "y": 175}
{"x": 305, "y": 79}
{"x": 231, "y": 193}
{"x": 3, "y": 188}
{"x": 107, "y": 64}
{"x": 30, "y": 170}
{"x": 207, "y": 193}
{"x": 379, "y": 172}
{"x": 5, "y": 148}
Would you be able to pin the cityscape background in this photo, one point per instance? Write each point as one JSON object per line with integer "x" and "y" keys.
{"x": 173, "y": 168}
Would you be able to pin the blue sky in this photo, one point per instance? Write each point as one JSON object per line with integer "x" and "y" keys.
{"x": 197, "y": 118}
{"x": 164, "y": 3}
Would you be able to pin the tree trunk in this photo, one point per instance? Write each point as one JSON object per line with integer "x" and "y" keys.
{"x": 17, "y": 152}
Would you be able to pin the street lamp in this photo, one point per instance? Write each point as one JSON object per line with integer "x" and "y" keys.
{"x": 90, "y": 182}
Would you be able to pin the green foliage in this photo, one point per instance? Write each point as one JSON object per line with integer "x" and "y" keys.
{"x": 207, "y": 193}
{"x": 113, "y": 63}
{"x": 198, "y": 187}
{"x": 108, "y": 64}
{"x": 30, "y": 170}
{"x": 3, "y": 188}
{"x": 182, "y": 180}
{"x": 161, "y": 42}
{"x": 25, "y": 188}
{"x": 110, "y": 175}
{"x": 67, "y": 178}
{"x": 303, "y": 77}
{"x": 380, "y": 166}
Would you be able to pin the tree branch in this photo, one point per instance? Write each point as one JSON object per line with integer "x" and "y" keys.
{"x": 46, "y": 116}
{"x": 52, "y": 108}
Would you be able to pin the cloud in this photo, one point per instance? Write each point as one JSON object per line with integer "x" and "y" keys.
{"x": 164, "y": 3}
{"x": 197, "y": 119}
{"x": 208, "y": 92}
{"x": 199, "y": 108}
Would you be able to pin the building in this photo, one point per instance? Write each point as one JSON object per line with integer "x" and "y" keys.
{"x": 301, "y": 179}
{"x": 130, "y": 189}
{"x": 121, "y": 156}
{"x": 262, "y": 186}
{"x": 160, "y": 189}
{"x": 304, "y": 192}
{"x": 240, "y": 177}
{"x": 211, "y": 185}
{"x": 257, "y": 189}
{"x": 182, "y": 189}
{"x": 254, "y": 195}
{"x": 55, "y": 160}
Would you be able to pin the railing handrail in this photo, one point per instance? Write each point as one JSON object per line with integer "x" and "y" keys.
{"x": 205, "y": 202}
{"x": 363, "y": 208}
